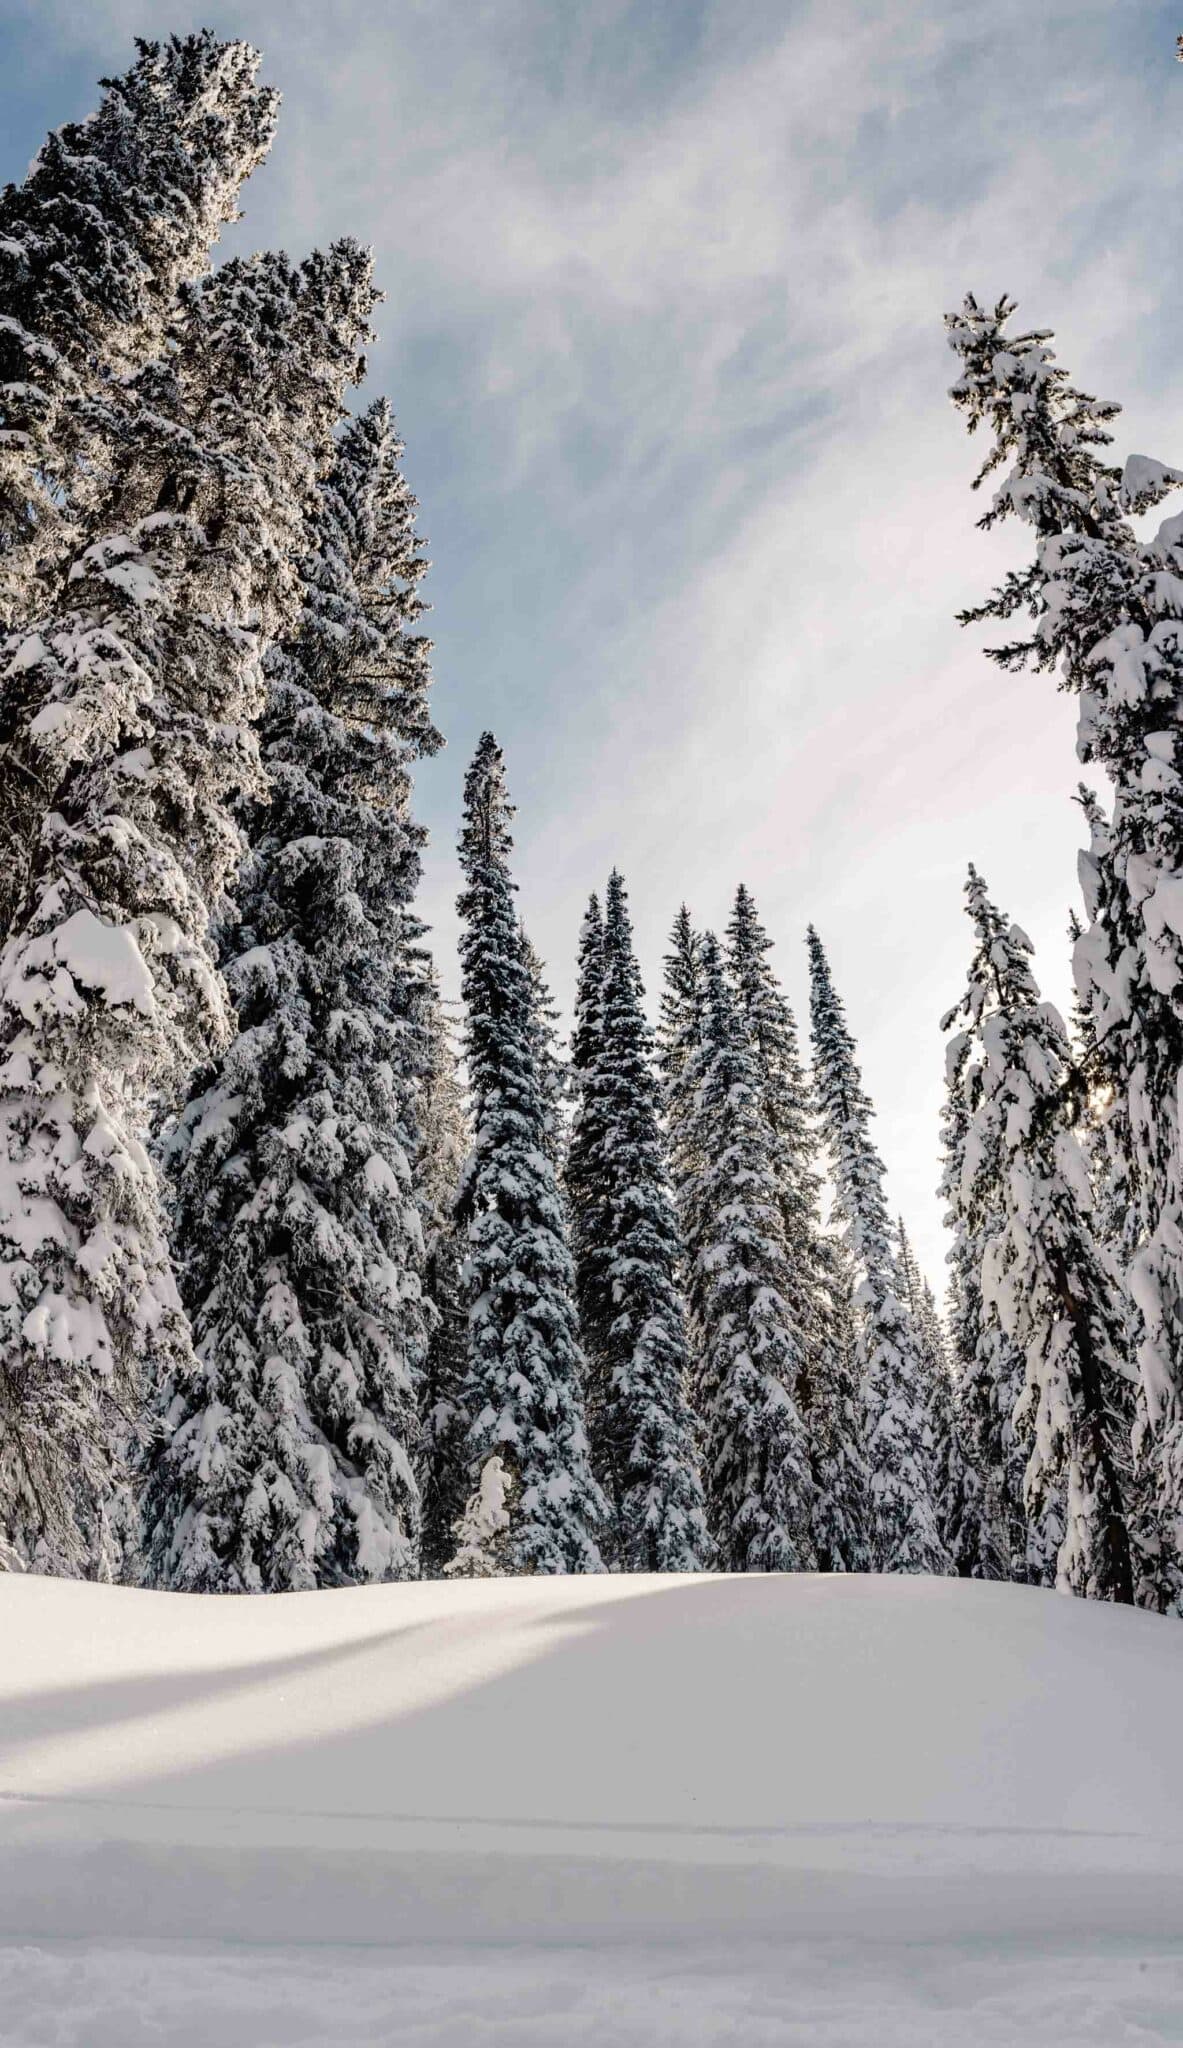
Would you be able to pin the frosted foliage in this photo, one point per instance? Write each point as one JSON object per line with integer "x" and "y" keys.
{"x": 905, "y": 1535}
{"x": 549, "y": 1063}
{"x": 1101, "y": 608}
{"x": 1024, "y": 1192}
{"x": 952, "y": 1482}
{"x": 583, "y": 1167}
{"x": 749, "y": 1356}
{"x": 993, "y": 1539}
{"x": 147, "y": 678}
{"x": 524, "y": 1374}
{"x": 639, "y": 1419}
{"x": 677, "y": 1040}
{"x": 286, "y": 1453}
{"x": 444, "y": 1140}
{"x": 819, "y": 1299}
{"x": 837, "y": 1421}
{"x": 115, "y": 212}
{"x": 483, "y": 1533}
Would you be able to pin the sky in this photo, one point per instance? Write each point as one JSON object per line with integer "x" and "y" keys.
{"x": 664, "y": 284}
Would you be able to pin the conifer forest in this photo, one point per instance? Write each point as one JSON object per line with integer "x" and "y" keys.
{"x": 313, "y": 1277}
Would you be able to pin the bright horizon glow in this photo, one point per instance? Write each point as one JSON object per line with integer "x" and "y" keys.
{"x": 663, "y": 336}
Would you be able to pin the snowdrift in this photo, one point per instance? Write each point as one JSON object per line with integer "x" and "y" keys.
{"x": 587, "y": 1758}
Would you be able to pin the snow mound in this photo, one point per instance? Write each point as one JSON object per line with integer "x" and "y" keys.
{"x": 587, "y": 1758}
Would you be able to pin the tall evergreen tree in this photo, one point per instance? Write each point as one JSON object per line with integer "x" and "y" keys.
{"x": 584, "y": 1172}
{"x": 956, "y": 1481}
{"x": 641, "y": 1427}
{"x": 837, "y": 1423}
{"x": 1025, "y": 1187}
{"x": 784, "y": 1085}
{"x": 550, "y": 1066}
{"x": 286, "y": 1456}
{"x": 759, "y": 1488}
{"x": 951, "y": 1476}
{"x": 824, "y": 1389}
{"x": 1115, "y": 1216}
{"x": 115, "y": 212}
{"x": 990, "y": 1367}
{"x": 523, "y": 1387}
{"x": 443, "y": 1149}
{"x": 917, "y": 1297}
{"x": 147, "y": 672}
{"x": 1104, "y": 604}
{"x": 677, "y": 1040}
{"x": 905, "y": 1537}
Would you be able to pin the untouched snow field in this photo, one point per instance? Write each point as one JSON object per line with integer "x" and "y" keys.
{"x": 621, "y": 1811}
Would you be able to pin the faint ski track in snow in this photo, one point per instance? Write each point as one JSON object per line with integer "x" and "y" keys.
{"x": 819, "y": 1829}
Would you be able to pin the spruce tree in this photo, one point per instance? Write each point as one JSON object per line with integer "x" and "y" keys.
{"x": 1115, "y": 1217}
{"x": 1025, "y": 1188}
{"x": 956, "y": 1482}
{"x": 639, "y": 1419}
{"x": 905, "y": 1536}
{"x": 837, "y": 1424}
{"x": 917, "y": 1297}
{"x": 990, "y": 1367}
{"x": 549, "y": 1063}
{"x": 832, "y": 1418}
{"x": 523, "y": 1385}
{"x": 147, "y": 674}
{"x": 483, "y": 1540}
{"x": 952, "y": 1479}
{"x": 784, "y": 1086}
{"x": 443, "y": 1149}
{"x": 286, "y": 1458}
{"x": 584, "y": 1172}
{"x": 759, "y": 1488}
{"x": 115, "y": 212}
{"x": 1103, "y": 607}
{"x": 677, "y": 1041}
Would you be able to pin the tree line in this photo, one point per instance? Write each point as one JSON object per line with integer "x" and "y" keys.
{"x": 295, "y": 1289}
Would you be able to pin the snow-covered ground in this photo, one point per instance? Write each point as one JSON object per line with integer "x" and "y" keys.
{"x": 618, "y": 1811}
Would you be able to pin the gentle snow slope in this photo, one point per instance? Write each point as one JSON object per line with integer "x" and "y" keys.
{"x": 588, "y": 1758}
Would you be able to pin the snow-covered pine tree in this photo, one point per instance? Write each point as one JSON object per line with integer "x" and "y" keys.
{"x": 116, "y": 210}
{"x": 483, "y": 1541}
{"x": 286, "y": 1453}
{"x": 833, "y": 1420}
{"x": 952, "y": 1481}
{"x": 911, "y": 1283}
{"x": 911, "y": 1289}
{"x": 1115, "y": 1216}
{"x": 956, "y": 1483}
{"x": 583, "y": 1171}
{"x": 524, "y": 1379}
{"x": 918, "y": 1298}
{"x": 904, "y": 1532}
{"x": 147, "y": 672}
{"x": 443, "y": 1148}
{"x": 990, "y": 1368}
{"x": 756, "y": 1472}
{"x": 1025, "y": 1190}
{"x": 784, "y": 1086}
{"x": 1105, "y": 608}
{"x": 551, "y": 1067}
{"x": 837, "y": 1424}
{"x": 677, "y": 1041}
{"x": 639, "y": 1418}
